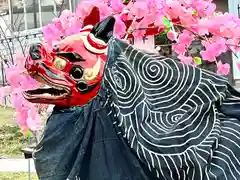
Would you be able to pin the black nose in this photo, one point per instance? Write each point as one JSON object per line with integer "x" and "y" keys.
{"x": 35, "y": 51}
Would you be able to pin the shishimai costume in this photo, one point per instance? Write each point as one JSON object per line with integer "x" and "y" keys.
{"x": 125, "y": 114}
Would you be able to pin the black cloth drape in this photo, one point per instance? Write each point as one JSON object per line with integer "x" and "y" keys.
{"x": 154, "y": 118}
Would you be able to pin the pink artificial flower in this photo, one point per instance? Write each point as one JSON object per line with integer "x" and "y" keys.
{"x": 19, "y": 61}
{"x": 28, "y": 83}
{"x": 58, "y": 24}
{"x": 187, "y": 18}
{"x": 203, "y": 26}
{"x": 200, "y": 6}
{"x": 119, "y": 28}
{"x": 174, "y": 9}
{"x": 17, "y": 98}
{"x": 214, "y": 47}
{"x": 185, "y": 38}
{"x": 117, "y": 5}
{"x": 159, "y": 15}
{"x": 179, "y": 48}
{"x": 225, "y": 32}
{"x": 50, "y": 34}
{"x": 64, "y": 18}
{"x": 217, "y": 45}
{"x": 11, "y": 74}
{"x": 208, "y": 55}
{"x": 185, "y": 59}
{"x": 137, "y": 9}
{"x": 84, "y": 7}
{"x": 233, "y": 44}
{"x": 236, "y": 32}
{"x": 21, "y": 117}
{"x": 155, "y": 5}
{"x": 223, "y": 69}
{"x": 74, "y": 26}
{"x": 105, "y": 10}
{"x": 34, "y": 121}
{"x": 171, "y": 35}
{"x": 5, "y": 91}
{"x": 210, "y": 9}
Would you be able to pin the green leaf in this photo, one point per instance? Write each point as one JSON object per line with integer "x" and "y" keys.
{"x": 197, "y": 60}
{"x": 125, "y": 1}
{"x": 166, "y": 30}
{"x": 166, "y": 22}
{"x": 195, "y": 12}
{"x": 29, "y": 133}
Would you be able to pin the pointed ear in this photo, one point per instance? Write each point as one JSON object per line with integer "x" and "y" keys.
{"x": 104, "y": 30}
{"x": 93, "y": 18}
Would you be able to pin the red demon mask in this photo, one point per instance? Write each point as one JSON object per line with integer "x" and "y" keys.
{"x": 73, "y": 69}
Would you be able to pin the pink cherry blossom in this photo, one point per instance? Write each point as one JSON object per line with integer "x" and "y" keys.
{"x": 185, "y": 59}
{"x": 171, "y": 35}
{"x": 174, "y": 8}
{"x": 155, "y": 5}
{"x": 84, "y": 7}
{"x": 21, "y": 117}
{"x": 4, "y": 91}
{"x": 187, "y": 18}
{"x": 236, "y": 32}
{"x": 210, "y": 9}
{"x": 120, "y": 27}
{"x": 179, "y": 48}
{"x": 137, "y": 9}
{"x": 33, "y": 121}
{"x": 186, "y": 38}
{"x": 159, "y": 19}
{"x": 51, "y": 33}
{"x": 233, "y": 44}
{"x": 208, "y": 55}
{"x": 117, "y": 5}
{"x": 105, "y": 10}
{"x": 223, "y": 69}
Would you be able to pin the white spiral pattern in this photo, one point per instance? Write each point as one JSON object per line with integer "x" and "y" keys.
{"x": 167, "y": 111}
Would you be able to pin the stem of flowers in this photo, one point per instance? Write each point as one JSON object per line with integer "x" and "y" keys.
{"x": 130, "y": 30}
{"x": 232, "y": 51}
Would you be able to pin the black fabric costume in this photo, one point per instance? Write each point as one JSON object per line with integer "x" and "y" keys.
{"x": 154, "y": 118}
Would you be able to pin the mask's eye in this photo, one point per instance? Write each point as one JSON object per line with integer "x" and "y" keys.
{"x": 59, "y": 63}
{"x": 76, "y": 73}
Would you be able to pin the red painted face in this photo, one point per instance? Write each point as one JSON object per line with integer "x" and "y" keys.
{"x": 73, "y": 69}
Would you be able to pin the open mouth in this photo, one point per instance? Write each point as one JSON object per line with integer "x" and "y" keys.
{"x": 45, "y": 93}
{"x": 51, "y": 91}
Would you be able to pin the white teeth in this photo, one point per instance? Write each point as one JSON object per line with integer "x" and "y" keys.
{"x": 46, "y": 87}
{"x": 59, "y": 88}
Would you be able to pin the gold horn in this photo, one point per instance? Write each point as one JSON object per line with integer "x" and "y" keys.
{"x": 91, "y": 73}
